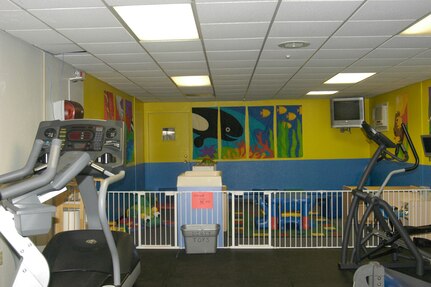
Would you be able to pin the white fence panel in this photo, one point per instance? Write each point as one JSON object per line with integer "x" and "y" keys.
{"x": 254, "y": 219}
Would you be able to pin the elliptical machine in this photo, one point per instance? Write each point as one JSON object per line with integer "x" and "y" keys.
{"x": 391, "y": 235}
{"x": 93, "y": 257}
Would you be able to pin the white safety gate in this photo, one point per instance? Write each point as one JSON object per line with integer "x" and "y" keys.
{"x": 254, "y": 219}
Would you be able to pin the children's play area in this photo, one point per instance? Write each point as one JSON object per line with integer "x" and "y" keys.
{"x": 217, "y": 143}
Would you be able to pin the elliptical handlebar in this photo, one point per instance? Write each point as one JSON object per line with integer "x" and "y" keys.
{"x": 410, "y": 142}
{"x": 382, "y": 140}
{"x": 28, "y": 185}
{"x": 29, "y": 166}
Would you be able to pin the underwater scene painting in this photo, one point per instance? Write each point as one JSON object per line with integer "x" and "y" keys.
{"x": 232, "y": 121}
{"x": 289, "y": 131}
{"x": 205, "y": 125}
{"x": 261, "y": 128}
{"x": 130, "y": 132}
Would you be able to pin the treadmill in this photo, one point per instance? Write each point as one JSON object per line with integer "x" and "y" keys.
{"x": 96, "y": 256}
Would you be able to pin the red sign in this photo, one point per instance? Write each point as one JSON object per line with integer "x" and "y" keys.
{"x": 202, "y": 200}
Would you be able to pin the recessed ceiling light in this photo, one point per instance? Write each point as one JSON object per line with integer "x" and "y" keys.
{"x": 293, "y": 44}
{"x": 348, "y": 78}
{"x": 160, "y": 22}
{"x": 321, "y": 93}
{"x": 423, "y": 27}
{"x": 191, "y": 81}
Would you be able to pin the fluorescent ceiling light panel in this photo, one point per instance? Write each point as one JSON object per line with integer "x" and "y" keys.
{"x": 321, "y": 93}
{"x": 423, "y": 27}
{"x": 348, "y": 78}
{"x": 192, "y": 81}
{"x": 160, "y": 22}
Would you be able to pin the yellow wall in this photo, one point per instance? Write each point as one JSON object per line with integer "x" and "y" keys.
{"x": 417, "y": 99}
{"x": 320, "y": 140}
{"x": 94, "y": 108}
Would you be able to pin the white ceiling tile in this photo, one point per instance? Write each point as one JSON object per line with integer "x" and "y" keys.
{"x": 408, "y": 42}
{"x": 143, "y": 73}
{"x": 57, "y": 49}
{"x": 233, "y": 44}
{"x": 371, "y": 62}
{"x": 232, "y": 55}
{"x": 341, "y": 53}
{"x": 233, "y": 12}
{"x": 269, "y": 78}
{"x": 394, "y": 53}
{"x": 97, "y": 35}
{"x": 184, "y": 65}
{"x": 359, "y": 67}
{"x": 355, "y": 42}
{"x": 106, "y": 74}
{"x": 49, "y": 4}
{"x": 236, "y": 71}
{"x": 286, "y": 63}
{"x": 90, "y": 68}
{"x": 112, "y": 48}
{"x": 146, "y": 2}
{"x": 179, "y": 56}
{"x": 232, "y": 64}
{"x": 174, "y": 46}
{"x": 134, "y": 66}
{"x": 37, "y": 37}
{"x": 236, "y": 30}
{"x": 68, "y": 18}
{"x": 151, "y": 80}
{"x": 304, "y": 29}
{"x": 281, "y": 54}
{"x": 19, "y": 20}
{"x": 416, "y": 62}
{"x": 79, "y": 59}
{"x": 393, "y": 10}
{"x": 315, "y": 62}
{"x": 334, "y": 70}
{"x": 187, "y": 72}
{"x": 425, "y": 55}
{"x": 125, "y": 58}
{"x": 315, "y": 42}
{"x": 372, "y": 28}
{"x": 275, "y": 70}
{"x": 7, "y": 5}
{"x": 316, "y": 10}
{"x": 231, "y": 85}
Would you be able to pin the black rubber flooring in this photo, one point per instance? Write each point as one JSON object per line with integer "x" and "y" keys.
{"x": 259, "y": 268}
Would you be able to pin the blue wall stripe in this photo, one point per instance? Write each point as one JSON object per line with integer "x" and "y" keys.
{"x": 283, "y": 174}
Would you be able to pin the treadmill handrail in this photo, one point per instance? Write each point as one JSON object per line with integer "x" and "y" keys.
{"x": 103, "y": 190}
{"x": 27, "y": 169}
{"x": 34, "y": 182}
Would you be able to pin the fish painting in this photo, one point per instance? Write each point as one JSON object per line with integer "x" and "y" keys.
{"x": 205, "y": 125}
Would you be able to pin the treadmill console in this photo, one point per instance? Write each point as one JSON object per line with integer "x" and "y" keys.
{"x": 103, "y": 140}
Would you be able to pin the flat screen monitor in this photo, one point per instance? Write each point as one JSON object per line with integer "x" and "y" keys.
{"x": 426, "y": 143}
{"x": 347, "y": 112}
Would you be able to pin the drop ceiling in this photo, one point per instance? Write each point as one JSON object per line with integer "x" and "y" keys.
{"x": 238, "y": 46}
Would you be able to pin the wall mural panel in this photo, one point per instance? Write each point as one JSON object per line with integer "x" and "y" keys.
{"x": 232, "y": 121}
{"x": 261, "y": 130}
{"x": 401, "y": 116}
{"x": 109, "y": 110}
{"x": 289, "y": 131}
{"x": 205, "y": 131}
{"x": 130, "y": 133}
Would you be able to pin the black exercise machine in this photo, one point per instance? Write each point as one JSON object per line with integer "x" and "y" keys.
{"x": 93, "y": 257}
{"x": 378, "y": 220}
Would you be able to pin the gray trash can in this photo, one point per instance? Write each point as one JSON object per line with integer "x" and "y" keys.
{"x": 200, "y": 238}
